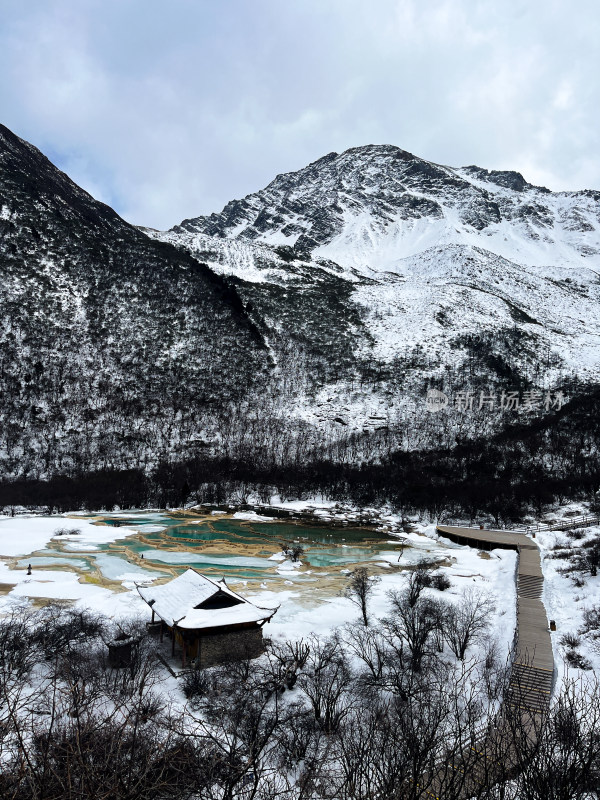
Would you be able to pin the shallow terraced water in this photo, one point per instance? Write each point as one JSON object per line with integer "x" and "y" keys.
{"x": 239, "y": 550}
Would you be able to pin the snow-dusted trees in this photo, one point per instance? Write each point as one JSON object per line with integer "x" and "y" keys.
{"x": 345, "y": 717}
{"x": 360, "y": 589}
{"x": 467, "y": 621}
{"x": 74, "y": 728}
{"x": 565, "y": 761}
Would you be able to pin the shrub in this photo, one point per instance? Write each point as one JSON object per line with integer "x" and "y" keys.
{"x": 578, "y": 661}
{"x": 58, "y": 628}
{"x": 591, "y": 559}
{"x": 441, "y": 582}
{"x": 570, "y": 640}
{"x": 592, "y": 543}
{"x": 292, "y": 551}
{"x": 562, "y": 552}
{"x": 591, "y": 620}
{"x": 423, "y": 578}
{"x": 195, "y": 683}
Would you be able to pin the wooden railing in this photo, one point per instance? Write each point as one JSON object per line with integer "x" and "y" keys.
{"x": 564, "y": 525}
{"x": 567, "y": 524}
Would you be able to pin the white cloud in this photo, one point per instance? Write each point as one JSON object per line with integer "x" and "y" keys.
{"x": 169, "y": 111}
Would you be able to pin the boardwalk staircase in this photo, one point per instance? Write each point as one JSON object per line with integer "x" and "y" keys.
{"x": 532, "y": 674}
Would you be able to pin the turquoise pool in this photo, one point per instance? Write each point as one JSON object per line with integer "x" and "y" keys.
{"x": 240, "y": 550}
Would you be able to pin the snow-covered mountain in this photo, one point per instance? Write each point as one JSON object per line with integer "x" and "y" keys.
{"x": 371, "y": 207}
{"x": 115, "y": 350}
{"x": 426, "y": 257}
{"x": 308, "y": 319}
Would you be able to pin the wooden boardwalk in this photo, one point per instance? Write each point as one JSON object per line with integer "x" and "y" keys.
{"x": 500, "y": 750}
{"x": 533, "y": 665}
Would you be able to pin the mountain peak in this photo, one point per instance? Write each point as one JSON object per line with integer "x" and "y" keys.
{"x": 370, "y": 206}
{"x": 380, "y": 150}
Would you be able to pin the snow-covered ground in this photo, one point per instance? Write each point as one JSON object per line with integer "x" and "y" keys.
{"x": 25, "y": 534}
{"x": 302, "y": 610}
{"x": 565, "y": 600}
{"x": 493, "y": 575}
{"x": 20, "y": 536}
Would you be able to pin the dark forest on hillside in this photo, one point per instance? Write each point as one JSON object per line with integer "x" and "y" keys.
{"x": 520, "y": 470}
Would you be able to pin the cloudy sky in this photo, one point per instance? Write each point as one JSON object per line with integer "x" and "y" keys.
{"x": 167, "y": 110}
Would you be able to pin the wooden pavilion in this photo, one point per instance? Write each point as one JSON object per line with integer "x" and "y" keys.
{"x": 209, "y": 622}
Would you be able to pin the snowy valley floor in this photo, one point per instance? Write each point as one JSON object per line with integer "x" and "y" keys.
{"x": 305, "y": 610}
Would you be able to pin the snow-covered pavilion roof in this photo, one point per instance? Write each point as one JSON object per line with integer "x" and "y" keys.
{"x": 180, "y": 602}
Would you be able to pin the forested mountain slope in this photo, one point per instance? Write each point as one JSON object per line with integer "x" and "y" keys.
{"x": 113, "y": 348}
{"x": 304, "y": 323}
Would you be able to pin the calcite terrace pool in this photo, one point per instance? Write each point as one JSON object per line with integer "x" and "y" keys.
{"x": 121, "y": 549}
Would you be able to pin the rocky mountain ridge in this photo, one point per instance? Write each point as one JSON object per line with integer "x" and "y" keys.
{"x": 371, "y": 206}
{"x": 434, "y": 267}
{"x": 306, "y": 321}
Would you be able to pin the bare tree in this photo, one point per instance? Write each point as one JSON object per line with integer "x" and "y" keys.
{"x": 360, "y": 589}
{"x": 408, "y": 749}
{"x": 326, "y": 682}
{"x": 371, "y": 648}
{"x": 419, "y": 579}
{"x": 284, "y": 662}
{"x": 416, "y": 624}
{"x": 467, "y": 621}
{"x": 565, "y": 763}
